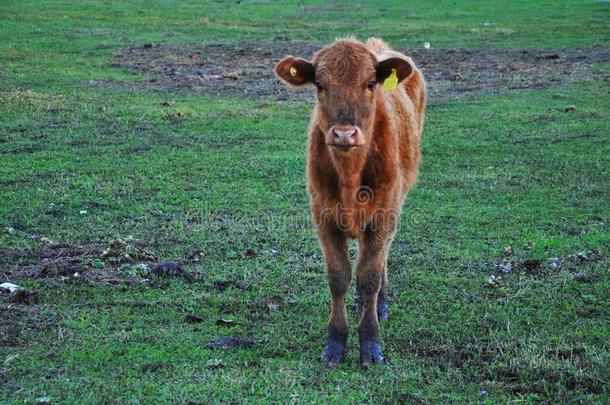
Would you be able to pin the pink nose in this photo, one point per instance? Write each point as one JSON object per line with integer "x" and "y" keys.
{"x": 345, "y": 136}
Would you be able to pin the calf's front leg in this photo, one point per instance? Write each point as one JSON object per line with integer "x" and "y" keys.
{"x": 370, "y": 276}
{"x": 334, "y": 246}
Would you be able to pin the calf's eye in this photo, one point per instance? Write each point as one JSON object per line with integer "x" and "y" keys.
{"x": 371, "y": 84}
{"x": 319, "y": 86}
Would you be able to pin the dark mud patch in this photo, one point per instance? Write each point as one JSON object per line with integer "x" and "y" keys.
{"x": 20, "y": 296}
{"x": 118, "y": 262}
{"x": 233, "y": 342}
{"x": 18, "y": 321}
{"x": 512, "y": 262}
{"x": 246, "y": 70}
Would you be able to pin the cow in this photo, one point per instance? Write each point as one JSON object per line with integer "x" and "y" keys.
{"x": 363, "y": 158}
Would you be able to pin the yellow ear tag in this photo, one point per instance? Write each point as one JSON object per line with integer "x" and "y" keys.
{"x": 293, "y": 71}
{"x": 391, "y": 82}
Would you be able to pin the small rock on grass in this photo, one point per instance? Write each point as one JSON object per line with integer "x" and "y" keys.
{"x": 494, "y": 281}
{"x": 214, "y": 363}
{"x": 169, "y": 269}
{"x": 225, "y": 322}
{"x": 192, "y": 318}
{"x": 10, "y": 287}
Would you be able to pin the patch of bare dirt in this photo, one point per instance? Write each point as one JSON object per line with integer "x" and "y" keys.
{"x": 118, "y": 262}
{"x": 18, "y": 321}
{"x": 247, "y": 71}
{"x": 513, "y": 261}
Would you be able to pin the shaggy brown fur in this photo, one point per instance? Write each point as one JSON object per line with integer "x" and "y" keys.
{"x": 363, "y": 158}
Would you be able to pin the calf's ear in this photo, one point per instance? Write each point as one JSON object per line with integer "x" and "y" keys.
{"x": 386, "y": 68}
{"x": 295, "y": 72}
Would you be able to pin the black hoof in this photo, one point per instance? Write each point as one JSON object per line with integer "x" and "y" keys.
{"x": 370, "y": 353}
{"x": 382, "y": 308}
{"x": 333, "y": 354}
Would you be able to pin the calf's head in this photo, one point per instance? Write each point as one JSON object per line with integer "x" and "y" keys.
{"x": 348, "y": 78}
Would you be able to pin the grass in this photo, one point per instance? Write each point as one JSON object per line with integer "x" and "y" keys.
{"x": 226, "y": 176}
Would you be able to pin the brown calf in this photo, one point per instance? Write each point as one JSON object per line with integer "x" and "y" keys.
{"x": 363, "y": 158}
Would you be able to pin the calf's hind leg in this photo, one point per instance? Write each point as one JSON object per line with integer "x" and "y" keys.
{"x": 382, "y": 299}
{"x": 334, "y": 245}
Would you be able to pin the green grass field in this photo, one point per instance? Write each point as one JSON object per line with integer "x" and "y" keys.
{"x": 92, "y": 152}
